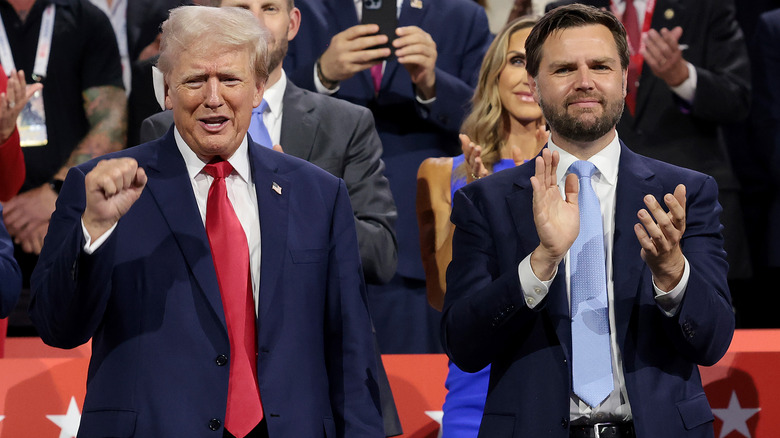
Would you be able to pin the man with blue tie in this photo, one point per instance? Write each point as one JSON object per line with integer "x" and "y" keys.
{"x": 219, "y": 281}
{"x": 592, "y": 279}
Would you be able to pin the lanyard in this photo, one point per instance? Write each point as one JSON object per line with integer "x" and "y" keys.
{"x": 41, "y": 53}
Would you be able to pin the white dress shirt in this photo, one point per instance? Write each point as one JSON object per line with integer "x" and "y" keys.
{"x": 241, "y": 192}
{"x": 272, "y": 117}
{"x": 616, "y": 406}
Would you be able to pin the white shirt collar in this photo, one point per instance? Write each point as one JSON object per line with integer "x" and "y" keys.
{"x": 275, "y": 93}
{"x": 239, "y": 160}
{"x": 606, "y": 161}
{"x": 359, "y": 7}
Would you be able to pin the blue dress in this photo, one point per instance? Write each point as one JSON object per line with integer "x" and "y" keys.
{"x": 466, "y": 392}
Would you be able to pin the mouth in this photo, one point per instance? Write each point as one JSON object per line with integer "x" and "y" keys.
{"x": 584, "y": 102}
{"x": 213, "y": 123}
{"x": 525, "y": 96}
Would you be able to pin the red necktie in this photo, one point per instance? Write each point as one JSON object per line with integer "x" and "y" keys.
{"x": 631, "y": 23}
{"x": 376, "y": 75}
{"x": 230, "y": 252}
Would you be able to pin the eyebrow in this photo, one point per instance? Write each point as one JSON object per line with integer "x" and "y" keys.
{"x": 594, "y": 61}
{"x": 515, "y": 53}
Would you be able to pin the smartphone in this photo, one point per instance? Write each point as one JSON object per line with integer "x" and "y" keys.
{"x": 383, "y": 13}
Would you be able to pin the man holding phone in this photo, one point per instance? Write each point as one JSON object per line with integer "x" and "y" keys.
{"x": 418, "y": 90}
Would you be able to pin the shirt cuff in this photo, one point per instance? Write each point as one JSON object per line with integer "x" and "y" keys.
{"x": 534, "y": 290}
{"x": 670, "y": 301}
{"x": 321, "y": 88}
{"x": 687, "y": 90}
{"x": 90, "y": 246}
{"x": 422, "y": 101}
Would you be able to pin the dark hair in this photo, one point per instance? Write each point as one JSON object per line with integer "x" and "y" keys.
{"x": 574, "y": 15}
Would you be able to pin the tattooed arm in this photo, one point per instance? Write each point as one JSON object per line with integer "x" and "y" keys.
{"x": 106, "y": 110}
{"x": 27, "y": 215}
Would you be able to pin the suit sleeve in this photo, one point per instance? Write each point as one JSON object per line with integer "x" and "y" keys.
{"x": 765, "y": 116}
{"x": 723, "y": 72}
{"x": 351, "y": 360}
{"x": 155, "y": 126}
{"x": 483, "y": 308}
{"x": 70, "y": 289}
{"x": 372, "y": 202}
{"x": 12, "y": 169}
{"x": 702, "y": 329}
{"x": 454, "y": 89}
{"x": 10, "y": 274}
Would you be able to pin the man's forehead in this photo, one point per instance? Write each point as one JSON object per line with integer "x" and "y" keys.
{"x": 591, "y": 40}
{"x": 221, "y": 60}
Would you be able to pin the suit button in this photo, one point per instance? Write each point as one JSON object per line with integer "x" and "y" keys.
{"x": 564, "y": 422}
{"x": 222, "y": 360}
{"x": 214, "y": 424}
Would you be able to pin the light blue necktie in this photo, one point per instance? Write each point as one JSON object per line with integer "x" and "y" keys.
{"x": 257, "y": 129}
{"x": 591, "y": 356}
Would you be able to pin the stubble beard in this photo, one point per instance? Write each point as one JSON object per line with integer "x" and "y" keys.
{"x": 582, "y": 127}
{"x": 277, "y": 54}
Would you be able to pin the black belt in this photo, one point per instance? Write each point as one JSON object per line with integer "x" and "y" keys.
{"x": 603, "y": 430}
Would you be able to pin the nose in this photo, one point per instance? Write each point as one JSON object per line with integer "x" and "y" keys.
{"x": 584, "y": 80}
{"x": 213, "y": 97}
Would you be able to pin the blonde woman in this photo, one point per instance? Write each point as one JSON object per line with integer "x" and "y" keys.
{"x": 505, "y": 128}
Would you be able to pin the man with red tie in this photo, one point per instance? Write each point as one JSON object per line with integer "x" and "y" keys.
{"x": 219, "y": 280}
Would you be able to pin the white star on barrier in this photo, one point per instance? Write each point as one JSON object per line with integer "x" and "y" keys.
{"x": 735, "y": 417}
{"x": 69, "y": 423}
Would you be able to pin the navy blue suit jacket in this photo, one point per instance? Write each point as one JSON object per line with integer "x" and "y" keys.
{"x": 149, "y": 299}
{"x": 410, "y": 132}
{"x": 486, "y": 320}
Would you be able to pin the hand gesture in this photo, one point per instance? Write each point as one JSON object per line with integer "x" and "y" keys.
{"x": 350, "y": 52}
{"x": 12, "y": 102}
{"x": 557, "y": 219}
{"x": 663, "y": 55}
{"x": 112, "y": 187}
{"x": 472, "y": 159}
{"x": 659, "y": 233}
{"x": 416, "y": 51}
{"x": 27, "y": 217}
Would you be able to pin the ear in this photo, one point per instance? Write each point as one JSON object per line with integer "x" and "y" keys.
{"x": 625, "y": 83}
{"x": 532, "y": 86}
{"x": 295, "y": 24}
{"x": 168, "y": 101}
{"x": 257, "y": 99}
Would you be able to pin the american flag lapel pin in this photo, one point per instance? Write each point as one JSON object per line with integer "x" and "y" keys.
{"x": 277, "y": 188}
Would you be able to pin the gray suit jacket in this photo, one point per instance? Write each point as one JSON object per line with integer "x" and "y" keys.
{"x": 340, "y": 138}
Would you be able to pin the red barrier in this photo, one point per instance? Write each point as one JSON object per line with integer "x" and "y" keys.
{"x": 42, "y": 389}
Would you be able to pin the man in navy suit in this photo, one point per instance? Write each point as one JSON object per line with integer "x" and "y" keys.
{"x": 128, "y": 263}
{"x": 666, "y": 306}
{"x": 418, "y": 104}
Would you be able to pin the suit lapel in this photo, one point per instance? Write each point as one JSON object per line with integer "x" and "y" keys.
{"x": 299, "y": 126}
{"x": 346, "y": 16}
{"x": 635, "y": 180}
{"x": 170, "y": 186}
{"x": 410, "y": 16}
{"x": 273, "y": 195}
{"x": 519, "y": 203}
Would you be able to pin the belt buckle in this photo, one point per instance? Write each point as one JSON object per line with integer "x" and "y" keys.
{"x": 597, "y": 431}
